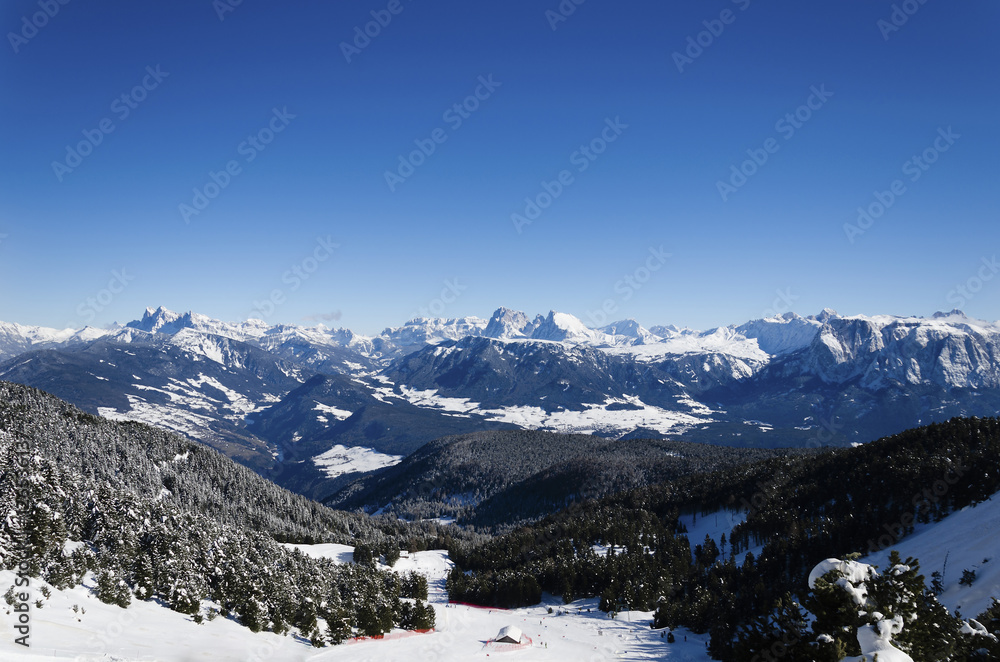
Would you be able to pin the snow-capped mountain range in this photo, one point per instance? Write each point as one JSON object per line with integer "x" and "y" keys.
{"x": 272, "y": 396}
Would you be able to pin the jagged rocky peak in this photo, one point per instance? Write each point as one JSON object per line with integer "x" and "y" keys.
{"x": 561, "y": 327}
{"x": 631, "y": 331}
{"x": 668, "y": 330}
{"x": 824, "y": 315}
{"x": 160, "y": 320}
{"x": 507, "y": 323}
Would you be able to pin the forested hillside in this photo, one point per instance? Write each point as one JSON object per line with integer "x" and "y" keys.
{"x": 797, "y": 510}
{"x": 153, "y": 515}
{"x": 497, "y": 478}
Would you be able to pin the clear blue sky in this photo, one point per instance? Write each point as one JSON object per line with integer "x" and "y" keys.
{"x": 323, "y": 175}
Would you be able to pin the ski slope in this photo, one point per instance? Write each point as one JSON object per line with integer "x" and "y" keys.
{"x": 149, "y": 632}
{"x": 970, "y": 540}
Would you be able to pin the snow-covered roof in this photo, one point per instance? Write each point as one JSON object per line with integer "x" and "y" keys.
{"x": 510, "y": 633}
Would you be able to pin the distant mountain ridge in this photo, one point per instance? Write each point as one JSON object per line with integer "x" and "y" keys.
{"x": 249, "y": 388}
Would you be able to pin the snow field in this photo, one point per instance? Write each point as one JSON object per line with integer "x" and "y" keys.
{"x": 966, "y": 538}
{"x": 344, "y": 460}
{"x": 149, "y": 632}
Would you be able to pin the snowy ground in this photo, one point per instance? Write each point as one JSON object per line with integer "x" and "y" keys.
{"x": 595, "y": 418}
{"x": 715, "y": 525}
{"x": 343, "y": 460}
{"x": 970, "y": 539}
{"x": 149, "y": 632}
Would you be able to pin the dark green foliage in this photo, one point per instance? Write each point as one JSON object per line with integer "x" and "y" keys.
{"x": 501, "y": 589}
{"x": 363, "y": 554}
{"x": 473, "y": 477}
{"x": 112, "y": 589}
{"x": 968, "y": 577}
{"x": 929, "y": 633}
{"x": 338, "y": 622}
{"x": 782, "y": 634}
{"x": 937, "y": 585}
{"x": 213, "y": 537}
{"x": 987, "y": 647}
{"x": 413, "y": 585}
{"x": 146, "y": 460}
{"x": 416, "y": 616}
{"x": 800, "y": 510}
{"x": 391, "y": 554}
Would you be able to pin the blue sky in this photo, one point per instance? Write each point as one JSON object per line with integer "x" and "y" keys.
{"x": 307, "y": 227}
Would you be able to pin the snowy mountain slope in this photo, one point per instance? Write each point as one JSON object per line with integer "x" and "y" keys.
{"x": 802, "y": 377}
{"x": 136, "y": 513}
{"x": 965, "y": 540}
{"x": 421, "y": 331}
{"x": 561, "y": 327}
{"x": 547, "y": 385}
{"x": 506, "y": 324}
{"x": 784, "y": 334}
{"x": 629, "y": 332}
{"x": 951, "y": 352}
{"x": 331, "y": 412}
{"x": 968, "y": 539}
{"x": 147, "y": 630}
{"x": 167, "y": 322}
{"x": 947, "y": 349}
{"x": 16, "y": 339}
{"x": 128, "y": 465}
{"x": 203, "y": 389}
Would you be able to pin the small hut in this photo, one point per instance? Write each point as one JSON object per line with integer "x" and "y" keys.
{"x": 509, "y": 634}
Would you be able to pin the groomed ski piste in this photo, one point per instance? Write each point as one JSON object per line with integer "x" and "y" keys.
{"x": 149, "y": 632}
